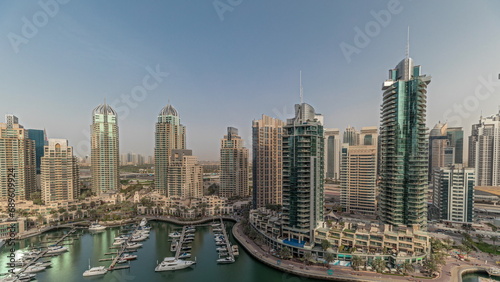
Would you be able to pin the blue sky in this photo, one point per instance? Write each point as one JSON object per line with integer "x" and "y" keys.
{"x": 227, "y": 71}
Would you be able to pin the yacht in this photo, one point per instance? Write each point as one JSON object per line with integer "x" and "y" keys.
{"x": 185, "y": 255}
{"x": 26, "y": 276}
{"x": 121, "y": 237}
{"x": 96, "y": 227}
{"x": 173, "y": 264}
{"x": 236, "y": 252}
{"x": 225, "y": 260}
{"x": 128, "y": 257}
{"x": 173, "y": 246}
{"x": 220, "y": 243}
{"x": 215, "y": 224}
{"x": 44, "y": 264}
{"x": 57, "y": 249}
{"x": 174, "y": 235}
{"x": 2, "y": 242}
{"x": 144, "y": 221}
{"x": 133, "y": 245}
{"x": 221, "y": 249}
{"x": 186, "y": 248}
{"x": 118, "y": 242}
{"x": 30, "y": 269}
{"x": 95, "y": 271}
{"x": 217, "y": 230}
{"x": 493, "y": 271}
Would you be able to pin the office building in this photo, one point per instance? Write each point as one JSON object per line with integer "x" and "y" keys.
{"x": 332, "y": 153}
{"x": 185, "y": 175}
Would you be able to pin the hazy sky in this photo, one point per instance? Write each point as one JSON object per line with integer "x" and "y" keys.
{"x": 229, "y": 61}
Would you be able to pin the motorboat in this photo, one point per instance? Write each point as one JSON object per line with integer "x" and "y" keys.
{"x": 31, "y": 269}
{"x": 217, "y": 230}
{"x": 221, "y": 249}
{"x": 186, "y": 248}
{"x": 236, "y": 252}
{"x": 185, "y": 255}
{"x": 493, "y": 271}
{"x": 144, "y": 221}
{"x": 2, "y": 242}
{"x": 174, "y": 235}
{"x": 138, "y": 238}
{"x": 96, "y": 227}
{"x": 220, "y": 243}
{"x": 122, "y": 237}
{"x": 215, "y": 224}
{"x": 26, "y": 276}
{"x": 95, "y": 271}
{"x": 173, "y": 246}
{"x": 122, "y": 261}
{"x": 225, "y": 260}
{"x": 133, "y": 245}
{"x": 128, "y": 257}
{"x": 57, "y": 249}
{"x": 118, "y": 242}
{"x": 44, "y": 264}
{"x": 173, "y": 264}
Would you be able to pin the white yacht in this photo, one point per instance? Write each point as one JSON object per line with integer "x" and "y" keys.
{"x": 118, "y": 242}
{"x": 2, "y": 242}
{"x": 31, "y": 269}
{"x": 144, "y": 221}
{"x": 173, "y": 246}
{"x": 128, "y": 257}
{"x": 133, "y": 245}
{"x": 173, "y": 264}
{"x": 185, "y": 255}
{"x": 94, "y": 271}
{"x": 225, "y": 260}
{"x": 57, "y": 249}
{"x": 96, "y": 227}
{"x": 174, "y": 235}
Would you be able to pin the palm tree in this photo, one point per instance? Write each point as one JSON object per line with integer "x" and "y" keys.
{"x": 325, "y": 244}
{"x": 379, "y": 265}
{"x": 328, "y": 258}
{"x": 407, "y": 267}
{"x": 285, "y": 253}
{"x": 430, "y": 266}
{"x": 40, "y": 219}
{"x": 79, "y": 213}
{"x": 357, "y": 262}
{"x": 307, "y": 257}
{"x": 479, "y": 238}
{"x": 494, "y": 239}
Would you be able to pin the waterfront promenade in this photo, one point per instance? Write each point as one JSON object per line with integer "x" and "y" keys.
{"x": 451, "y": 272}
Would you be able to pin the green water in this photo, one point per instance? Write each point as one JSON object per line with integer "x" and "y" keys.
{"x": 70, "y": 265}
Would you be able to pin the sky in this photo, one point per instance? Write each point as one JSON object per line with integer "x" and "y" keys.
{"x": 226, "y": 62}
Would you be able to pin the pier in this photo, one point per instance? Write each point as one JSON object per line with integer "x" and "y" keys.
{"x": 179, "y": 246}
{"x": 122, "y": 249}
{"x": 226, "y": 239}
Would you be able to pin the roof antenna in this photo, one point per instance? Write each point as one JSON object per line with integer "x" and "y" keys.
{"x": 104, "y": 101}
{"x": 408, "y": 43}
{"x": 301, "y": 89}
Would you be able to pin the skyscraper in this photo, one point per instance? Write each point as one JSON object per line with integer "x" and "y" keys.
{"x": 267, "y": 161}
{"x": 358, "y": 176}
{"x": 233, "y": 166}
{"x": 351, "y": 136}
{"x": 17, "y": 160}
{"x": 40, "y": 138}
{"x": 105, "y": 157}
{"x": 454, "y": 193}
{"x": 439, "y": 148}
{"x": 303, "y": 174}
{"x": 170, "y": 135}
{"x": 456, "y": 138}
{"x": 484, "y": 150}
{"x": 404, "y": 146}
{"x": 332, "y": 153}
{"x": 185, "y": 175}
{"x": 60, "y": 178}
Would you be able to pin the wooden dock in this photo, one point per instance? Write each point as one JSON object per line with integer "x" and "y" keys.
{"x": 179, "y": 246}
{"x": 122, "y": 249}
{"x": 226, "y": 238}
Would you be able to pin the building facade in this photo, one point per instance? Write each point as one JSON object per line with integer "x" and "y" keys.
{"x": 358, "y": 176}
{"x": 105, "y": 157}
{"x": 267, "y": 161}
{"x": 439, "y": 149}
{"x": 404, "y": 146}
{"x": 60, "y": 177}
{"x": 40, "y": 138}
{"x": 303, "y": 174}
{"x": 332, "y": 153}
{"x": 454, "y": 193}
{"x": 233, "y": 166}
{"x": 17, "y": 161}
{"x": 351, "y": 136}
{"x": 484, "y": 150}
{"x": 185, "y": 175}
{"x": 170, "y": 135}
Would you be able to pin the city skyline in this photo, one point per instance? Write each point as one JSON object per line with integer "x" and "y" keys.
{"x": 211, "y": 60}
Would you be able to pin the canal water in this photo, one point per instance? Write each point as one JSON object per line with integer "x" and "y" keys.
{"x": 70, "y": 265}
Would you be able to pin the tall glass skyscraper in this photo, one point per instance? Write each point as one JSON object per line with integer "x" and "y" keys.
{"x": 40, "y": 138}
{"x": 303, "y": 174}
{"x": 105, "y": 157}
{"x": 404, "y": 146}
{"x": 170, "y": 135}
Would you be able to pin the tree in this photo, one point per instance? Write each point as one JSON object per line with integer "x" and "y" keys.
{"x": 430, "y": 266}
{"x": 79, "y": 213}
{"x": 328, "y": 258}
{"x": 36, "y": 197}
{"x": 479, "y": 238}
{"x": 357, "y": 262}
{"x": 307, "y": 257}
{"x": 325, "y": 244}
{"x": 407, "y": 267}
{"x": 379, "y": 265}
{"x": 286, "y": 253}
{"x": 494, "y": 239}
{"x": 66, "y": 215}
{"x": 40, "y": 219}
